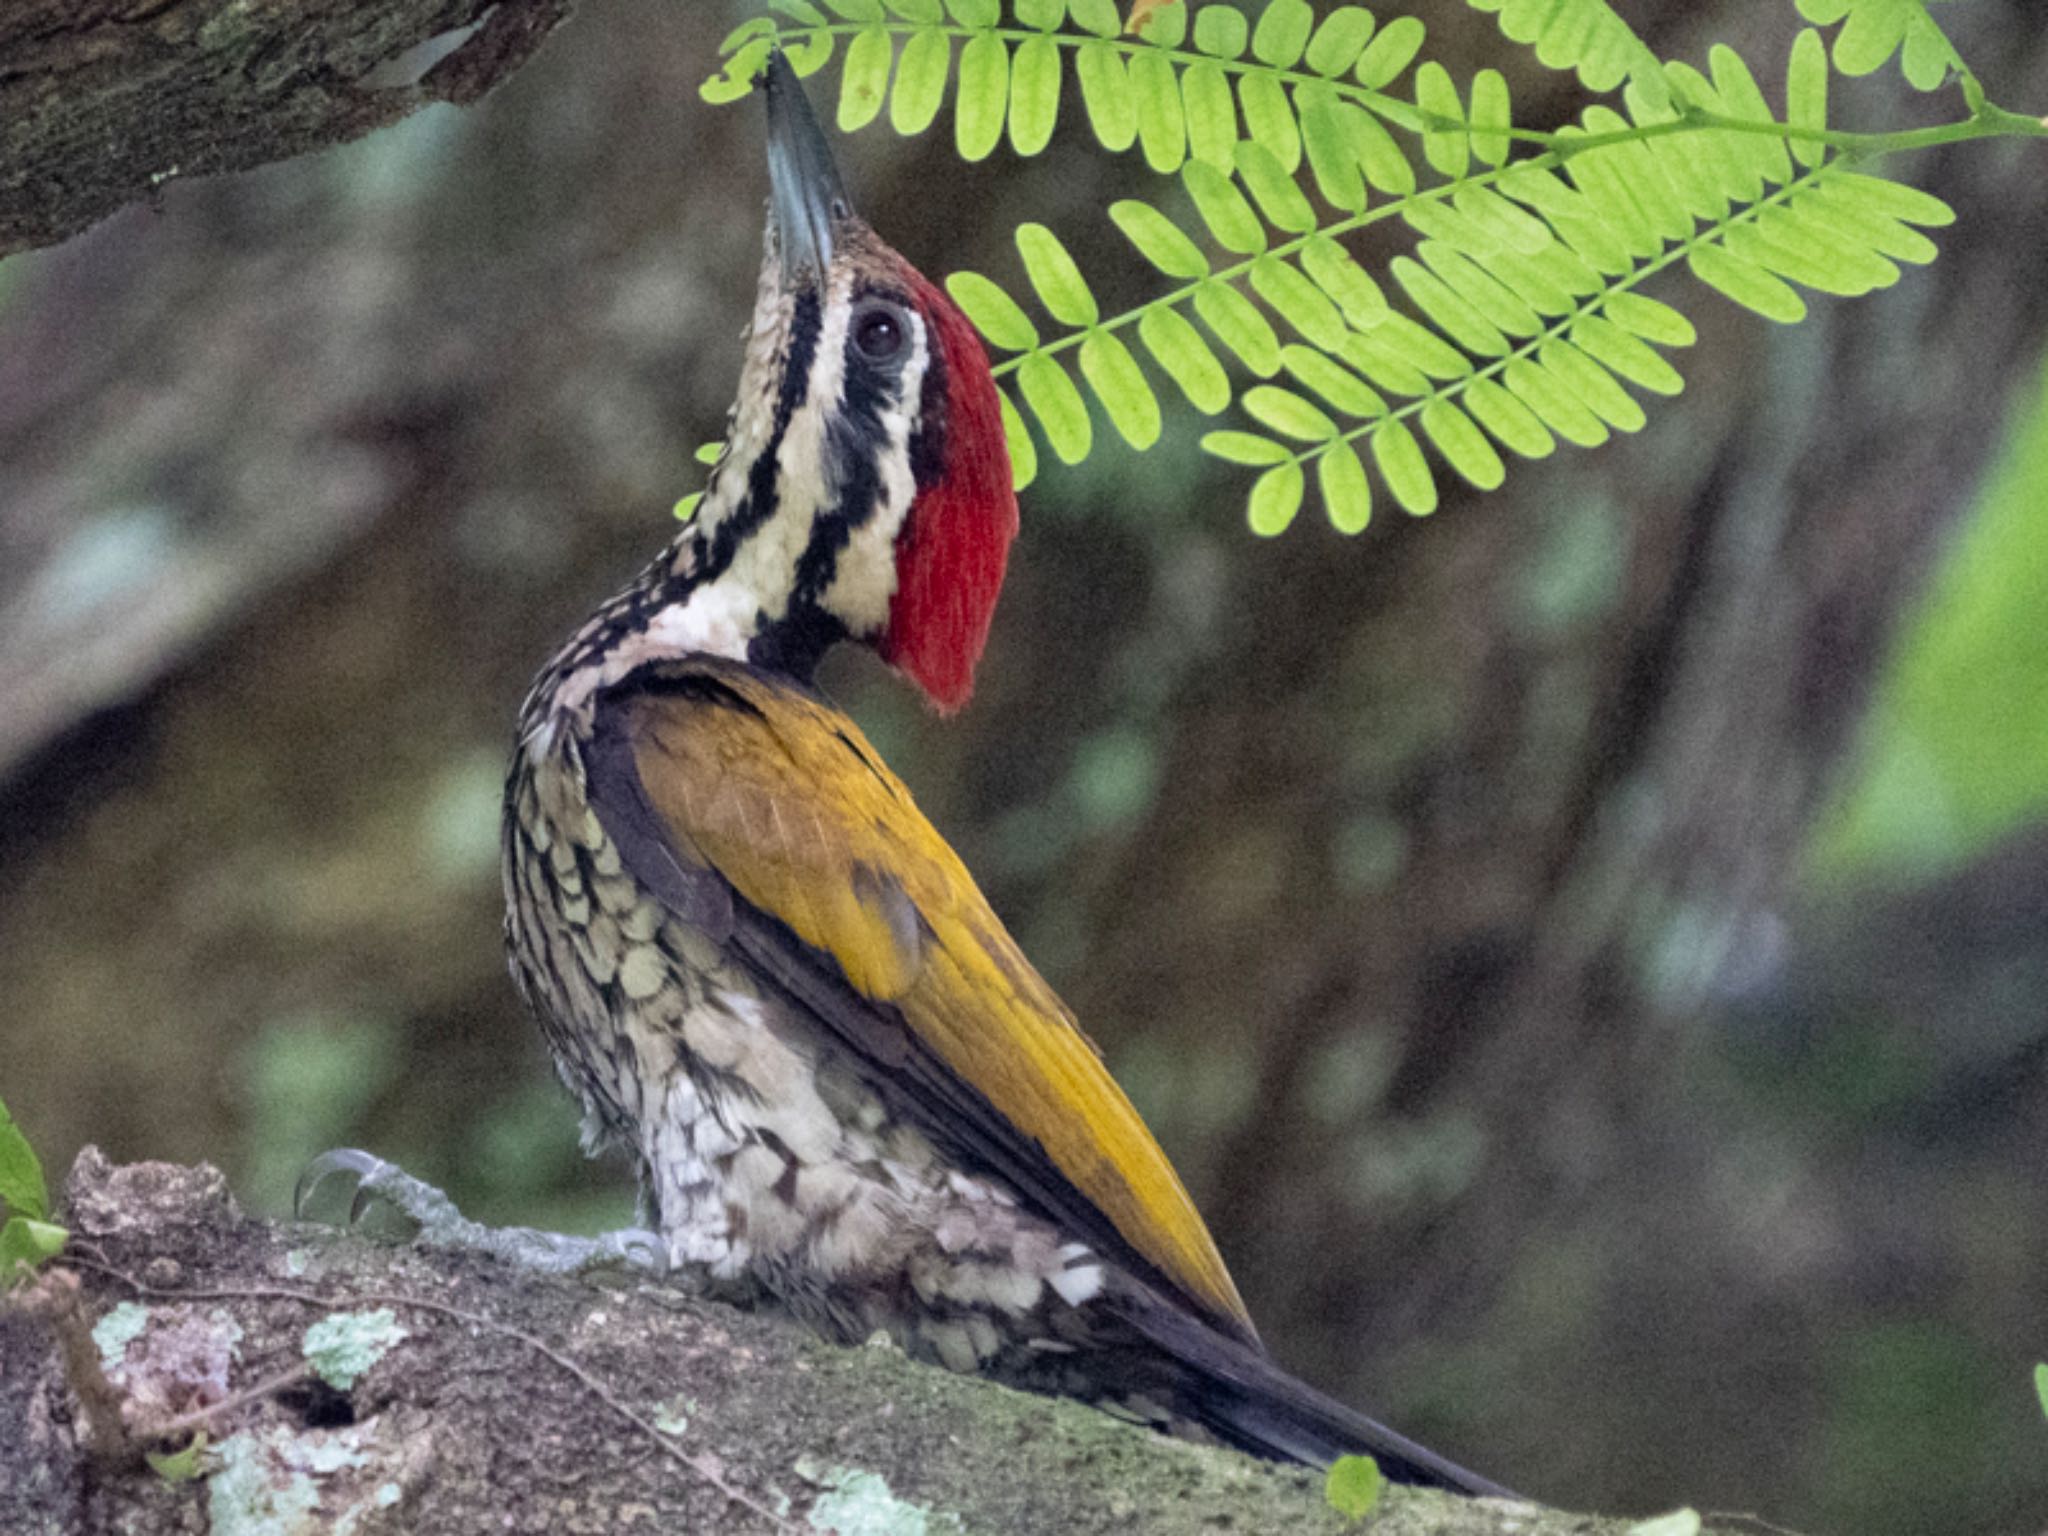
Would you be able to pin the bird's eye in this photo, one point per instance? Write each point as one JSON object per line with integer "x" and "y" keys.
{"x": 878, "y": 333}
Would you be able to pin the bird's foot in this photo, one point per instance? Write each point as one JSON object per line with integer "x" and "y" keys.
{"x": 382, "y": 1198}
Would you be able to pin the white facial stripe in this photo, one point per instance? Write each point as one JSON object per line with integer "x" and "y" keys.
{"x": 864, "y": 580}
{"x": 751, "y": 420}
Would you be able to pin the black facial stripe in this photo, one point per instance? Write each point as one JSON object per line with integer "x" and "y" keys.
{"x": 759, "y": 503}
{"x": 856, "y": 439}
{"x": 820, "y": 560}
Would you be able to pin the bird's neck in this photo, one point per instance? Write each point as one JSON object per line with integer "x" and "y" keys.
{"x": 707, "y": 594}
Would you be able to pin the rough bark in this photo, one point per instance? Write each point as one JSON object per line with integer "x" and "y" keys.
{"x": 509, "y": 1403}
{"x": 103, "y": 101}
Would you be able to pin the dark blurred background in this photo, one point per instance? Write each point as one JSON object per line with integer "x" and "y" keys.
{"x": 1587, "y": 950}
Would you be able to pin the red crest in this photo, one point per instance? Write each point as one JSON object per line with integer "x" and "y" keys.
{"x": 955, "y": 543}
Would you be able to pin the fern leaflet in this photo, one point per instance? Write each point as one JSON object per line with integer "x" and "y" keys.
{"x": 1874, "y": 30}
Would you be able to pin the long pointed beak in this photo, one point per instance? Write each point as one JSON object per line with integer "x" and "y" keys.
{"x": 806, "y": 200}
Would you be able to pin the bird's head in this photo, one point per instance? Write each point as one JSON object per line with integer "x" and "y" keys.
{"x": 864, "y": 491}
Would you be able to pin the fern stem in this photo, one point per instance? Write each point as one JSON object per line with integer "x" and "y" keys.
{"x": 1986, "y": 122}
{"x": 1549, "y": 160}
{"x": 1364, "y": 95}
{"x": 1237, "y": 271}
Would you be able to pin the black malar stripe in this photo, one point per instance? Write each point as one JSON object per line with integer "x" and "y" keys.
{"x": 856, "y": 439}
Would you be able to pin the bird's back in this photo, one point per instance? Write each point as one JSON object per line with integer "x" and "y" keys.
{"x": 762, "y": 967}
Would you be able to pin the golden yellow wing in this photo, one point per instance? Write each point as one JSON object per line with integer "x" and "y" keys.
{"x": 783, "y": 799}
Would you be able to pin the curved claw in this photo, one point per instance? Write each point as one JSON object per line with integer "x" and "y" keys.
{"x": 638, "y": 1248}
{"x": 383, "y": 1193}
{"x": 350, "y": 1161}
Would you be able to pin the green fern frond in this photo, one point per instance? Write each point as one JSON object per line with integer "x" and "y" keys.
{"x": 1514, "y": 320}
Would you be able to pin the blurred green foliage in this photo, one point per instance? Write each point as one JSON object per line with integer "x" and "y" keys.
{"x": 1955, "y": 750}
{"x": 25, "y": 1237}
{"x": 319, "y": 1080}
{"x": 309, "y": 1080}
{"x": 1352, "y": 1486}
{"x": 1913, "y": 1407}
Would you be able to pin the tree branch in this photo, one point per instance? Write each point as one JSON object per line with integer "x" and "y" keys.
{"x": 511, "y": 1402}
{"x": 102, "y": 101}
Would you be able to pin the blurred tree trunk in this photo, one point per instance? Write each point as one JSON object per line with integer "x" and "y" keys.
{"x": 1446, "y": 842}
{"x": 102, "y": 104}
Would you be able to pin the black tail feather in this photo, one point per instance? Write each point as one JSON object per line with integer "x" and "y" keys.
{"x": 1235, "y": 1391}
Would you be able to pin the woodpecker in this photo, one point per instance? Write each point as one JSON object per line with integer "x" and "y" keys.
{"x": 764, "y": 973}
